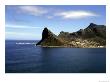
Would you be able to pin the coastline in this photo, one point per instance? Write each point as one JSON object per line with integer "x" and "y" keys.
{"x": 69, "y": 47}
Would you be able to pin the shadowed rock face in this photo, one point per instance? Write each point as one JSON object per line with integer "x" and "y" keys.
{"x": 92, "y": 36}
{"x": 49, "y": 39}
{"x": 45, "y": 33}
{"x": 92, "y": 25}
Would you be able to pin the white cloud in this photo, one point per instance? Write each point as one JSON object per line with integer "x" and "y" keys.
{"x": 50, "y": 17}
{"x": 20, "y": 26}
{"x": 21, "y": 35}
{"x": 40, "y": 11}
{"x": 18, "y": 33}
{"x": 75, "y": 14}
{"x": 32, "y": 10}
{"x": 14, "y": 33}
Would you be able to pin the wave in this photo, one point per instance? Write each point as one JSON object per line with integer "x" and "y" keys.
{"x": 22, "y": 43}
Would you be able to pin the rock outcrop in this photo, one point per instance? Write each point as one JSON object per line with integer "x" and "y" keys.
{"x": 49, "y": 39}
{"x": 91, "y": 37}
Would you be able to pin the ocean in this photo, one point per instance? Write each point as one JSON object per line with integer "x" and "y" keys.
{"x": 22, "y": 56}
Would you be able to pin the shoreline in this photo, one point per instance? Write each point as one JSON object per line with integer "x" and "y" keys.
{"x": 69, "y": 47}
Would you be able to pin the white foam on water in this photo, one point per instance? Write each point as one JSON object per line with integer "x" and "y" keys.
{"x": 22, "y": 43}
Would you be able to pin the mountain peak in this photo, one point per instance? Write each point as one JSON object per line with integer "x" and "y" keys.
{"x": 45, "y": 33}
{"x": 49, "y": 39}
{"x": 45, "y": 28}
{"x": 92, "y": 25}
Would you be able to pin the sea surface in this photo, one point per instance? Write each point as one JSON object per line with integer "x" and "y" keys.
{"x": 22, "y": 56}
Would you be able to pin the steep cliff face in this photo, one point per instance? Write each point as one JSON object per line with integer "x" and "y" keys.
{"x": 49, "y": 39}
{"x": 92, "y": 36}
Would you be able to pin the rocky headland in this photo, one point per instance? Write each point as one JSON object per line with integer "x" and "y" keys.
{"x": 94, "y": 36}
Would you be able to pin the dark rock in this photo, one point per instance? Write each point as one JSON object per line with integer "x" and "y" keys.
{"x": 49, "y": 39}
{"x": 91, "y": 31}
{"x": 92, "y": 25}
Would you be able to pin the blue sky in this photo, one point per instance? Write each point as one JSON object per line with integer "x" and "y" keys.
{"x": 27, "y": 22}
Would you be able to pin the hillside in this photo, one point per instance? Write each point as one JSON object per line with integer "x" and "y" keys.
{"x": 93, "y": 36}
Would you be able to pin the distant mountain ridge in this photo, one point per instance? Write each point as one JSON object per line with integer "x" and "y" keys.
{"x": 91, "y": 37}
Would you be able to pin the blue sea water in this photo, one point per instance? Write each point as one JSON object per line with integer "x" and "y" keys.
{"x": 22, "y": 56}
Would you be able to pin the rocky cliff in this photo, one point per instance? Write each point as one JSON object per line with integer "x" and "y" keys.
{"x": 49, "y": 39}
{"x": 91, "y": 37}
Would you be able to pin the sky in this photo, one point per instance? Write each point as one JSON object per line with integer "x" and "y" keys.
{"x": 27, "y": 22}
